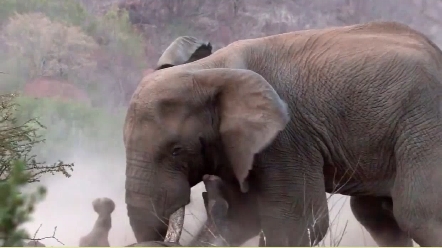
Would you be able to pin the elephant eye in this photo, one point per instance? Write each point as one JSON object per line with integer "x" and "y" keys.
{"x": 176, "y": 151}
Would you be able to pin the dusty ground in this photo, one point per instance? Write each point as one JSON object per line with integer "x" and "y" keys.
{"x": 68, "y": 206}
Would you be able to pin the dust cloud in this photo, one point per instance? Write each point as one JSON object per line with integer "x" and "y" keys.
{"x": 68, "y": 206}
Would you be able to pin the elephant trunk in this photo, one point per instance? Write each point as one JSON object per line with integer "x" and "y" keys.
{"x": 153, "y": 231}
{"x": 145, "y": 216}
{"x": 146, "y": 225}
{"x": 145, "y": 210}
{"x": 173, "y": 235}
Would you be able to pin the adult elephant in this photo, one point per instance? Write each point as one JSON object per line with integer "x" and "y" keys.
{"x": 365, "y": 121}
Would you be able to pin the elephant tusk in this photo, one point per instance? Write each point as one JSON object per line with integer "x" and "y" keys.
{"x": 176, "y": 223}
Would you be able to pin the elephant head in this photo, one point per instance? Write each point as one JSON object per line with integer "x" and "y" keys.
{"x": 186, "y": 121}
{"x": 98, "y": 236}
{"x": 182, "y": 50}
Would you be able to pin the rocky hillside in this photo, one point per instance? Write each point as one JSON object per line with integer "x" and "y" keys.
{"x": 112, "y": 42}
{"x": 224, "y": 21}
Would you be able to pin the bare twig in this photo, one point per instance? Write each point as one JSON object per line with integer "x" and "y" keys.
{"x": 47, "y": 237}
{"x": 38, "y": 229}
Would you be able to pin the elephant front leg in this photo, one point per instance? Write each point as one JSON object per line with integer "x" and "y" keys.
{"x": 293, "y": 211}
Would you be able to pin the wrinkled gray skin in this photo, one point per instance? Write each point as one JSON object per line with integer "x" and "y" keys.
{"x": 98, "y": 236}
{"x": 353, "y": 110}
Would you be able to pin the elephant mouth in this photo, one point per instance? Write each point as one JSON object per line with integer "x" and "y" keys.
{"x": 176, "y": 223}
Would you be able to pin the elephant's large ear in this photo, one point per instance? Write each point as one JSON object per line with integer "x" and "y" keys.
{"x": 251, "y": 114}
{"x": 182, "y": 50}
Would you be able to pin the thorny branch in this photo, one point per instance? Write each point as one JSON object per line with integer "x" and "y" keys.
{"x": 17, "y": 141}
{"x": 47, "y": 237}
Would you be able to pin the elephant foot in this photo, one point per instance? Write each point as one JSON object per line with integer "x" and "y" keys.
{"x": 375, "y": 214}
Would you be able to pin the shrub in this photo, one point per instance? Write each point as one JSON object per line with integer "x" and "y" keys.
{"x": 17, "y": 139}
{"x": 108, "y": 41}
{"x": 121, "y": 62}
{"x": 18, "y": 168}
{"x": 69, "y": 11}
{"x": 16, "y": 206}
{"x": 48, "y": 48}
{"x": 118, "y": 35}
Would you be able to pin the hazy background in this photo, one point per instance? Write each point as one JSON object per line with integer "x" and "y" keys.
{"x": 76, "y": 63}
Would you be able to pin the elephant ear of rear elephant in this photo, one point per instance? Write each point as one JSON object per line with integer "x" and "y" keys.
{"x": 182, "y": 50}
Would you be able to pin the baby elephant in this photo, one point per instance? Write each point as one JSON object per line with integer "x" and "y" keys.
{"x": 98, "y": 237}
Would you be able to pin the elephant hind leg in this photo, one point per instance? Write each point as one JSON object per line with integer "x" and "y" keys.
{"x": 417, "y": 194}
{"x": 374, "y": 213}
